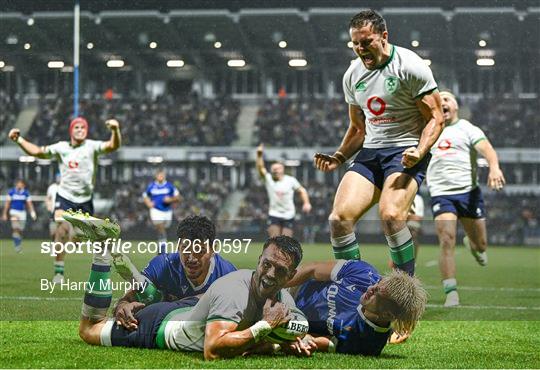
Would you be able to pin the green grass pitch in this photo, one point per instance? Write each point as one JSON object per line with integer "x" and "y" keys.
{"x": 497, "y": 326}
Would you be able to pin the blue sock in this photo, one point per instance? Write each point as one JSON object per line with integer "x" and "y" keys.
{"x": 17, "y": 240}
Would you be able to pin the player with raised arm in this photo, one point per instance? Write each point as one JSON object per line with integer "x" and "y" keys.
{"x": 159, "y": 197}
{"x": 17, "y": 202}
{"x": 172, "y": 276}
{"x": 395, "y": 117}
{"x": 77, "y": 159}
{"x": 351, "y": 309}
{"x": 235, "y": 315}
{"x": 280, "y": 189}
{"x": 452, "y": 180}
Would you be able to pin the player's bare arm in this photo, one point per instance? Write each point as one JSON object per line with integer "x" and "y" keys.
{"x": 259, "y": 162}
{"x": 31, "y": 209}
{"x": 352, "y": 142}
{"x": 6, "y": 208}
{"x": 28, "y": 147}
{"x": 306, "y": 204}
{"x": 430, "y": 108}
{"x": 496, "y": 179}
{"x": 116, "y": 138}
{"x": 222, "y": 341}
{"x": 147, "y": 201}
{"x": 125, "y": 310}
{"x": 320, "y": 271}
{"x": 171, "y": 200}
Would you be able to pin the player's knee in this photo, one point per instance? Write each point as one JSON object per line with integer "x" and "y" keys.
{"x": 340, "y": 224}
{"x": 87, "y": 333}
{"x": 447, "y": 241}
{"x": 391, "y": 214}
{"x": 84, "y": 333}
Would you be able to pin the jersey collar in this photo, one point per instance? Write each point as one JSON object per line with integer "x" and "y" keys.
{"x": 392, "y": 52}
{"x": 378, "y": 329}
{"x": 210, "y": 272}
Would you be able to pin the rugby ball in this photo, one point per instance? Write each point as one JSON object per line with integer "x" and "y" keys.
{"x": 298, "y": 326}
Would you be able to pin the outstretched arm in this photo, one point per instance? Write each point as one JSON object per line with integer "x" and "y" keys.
{"x": 259, "y": 162}
{"x": 320, "y": 271}
{"x": 28, "y": 147}
{"x": 116, "y": 138}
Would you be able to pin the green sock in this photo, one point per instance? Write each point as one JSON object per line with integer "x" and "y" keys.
{"x": 346, "y": 247}
{"x": 98, "y": 294}
{"x": 59, "y": 267}
{"x": 402, "y": 250}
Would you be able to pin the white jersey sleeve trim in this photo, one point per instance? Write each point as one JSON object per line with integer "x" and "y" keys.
{"x": 335, "y": 271}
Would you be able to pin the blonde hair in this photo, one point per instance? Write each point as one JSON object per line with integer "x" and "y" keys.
{"x": 409, "y": 298}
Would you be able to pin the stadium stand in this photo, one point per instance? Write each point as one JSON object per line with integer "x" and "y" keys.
{"x": 145, "y": 121}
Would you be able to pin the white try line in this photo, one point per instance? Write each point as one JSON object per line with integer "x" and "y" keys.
{"x": 34, "y": 298}
{"x": 487, "y": 288}
{"x": 485, "y": 307}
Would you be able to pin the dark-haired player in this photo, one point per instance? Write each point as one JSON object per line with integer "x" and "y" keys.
{"x": 18, "y": 201}
{"x": 280, "y": 189}
{"x": 452, "y": 179}
{"x": 395, "y": 117}
{"x": 234, "y": 315}
{"x": 159, "y": 197}
{"x": 173, "y": 276}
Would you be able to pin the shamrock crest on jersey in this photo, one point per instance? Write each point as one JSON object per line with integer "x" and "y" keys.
{"x": 391, "y": 84}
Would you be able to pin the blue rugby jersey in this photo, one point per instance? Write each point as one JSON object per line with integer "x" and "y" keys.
{"x": 333, "y": 308}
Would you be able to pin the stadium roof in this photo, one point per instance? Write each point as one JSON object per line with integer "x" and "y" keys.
{"x": 205, "y": 39}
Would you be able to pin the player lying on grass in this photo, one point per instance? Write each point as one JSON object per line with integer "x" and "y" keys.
{"x": 233, "y": 317}
{"x": 352, "y": 309}
{"x": 173, "y": 276}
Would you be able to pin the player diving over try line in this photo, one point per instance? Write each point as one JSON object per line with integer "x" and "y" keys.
{"x": 219, "y": 324}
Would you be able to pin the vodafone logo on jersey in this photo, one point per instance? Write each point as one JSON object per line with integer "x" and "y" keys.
{"x": 444, "y": 144}
{"x": 73, "y": 164}
{"x": 376, "y": 105}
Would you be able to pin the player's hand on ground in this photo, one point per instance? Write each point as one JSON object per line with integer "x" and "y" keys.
{"x": 496, "y": 179}
{"x": 303, "y": 347}
{"x": 275, "y": 313}
{"x": 326, "y": 163}
{"x": 125, "y": 312}
{"x": 112, "y": 124}
{"x": 411, "y": 156}
{"x": 14, "y": 134}
{"x": 306, "y": 208}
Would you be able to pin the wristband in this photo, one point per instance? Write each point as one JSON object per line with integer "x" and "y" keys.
{"x": 19, "y": 139}
{"x": 340, "y": 157}
{"x": 332, "y": 345}
{"x": 260, "y": 330}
